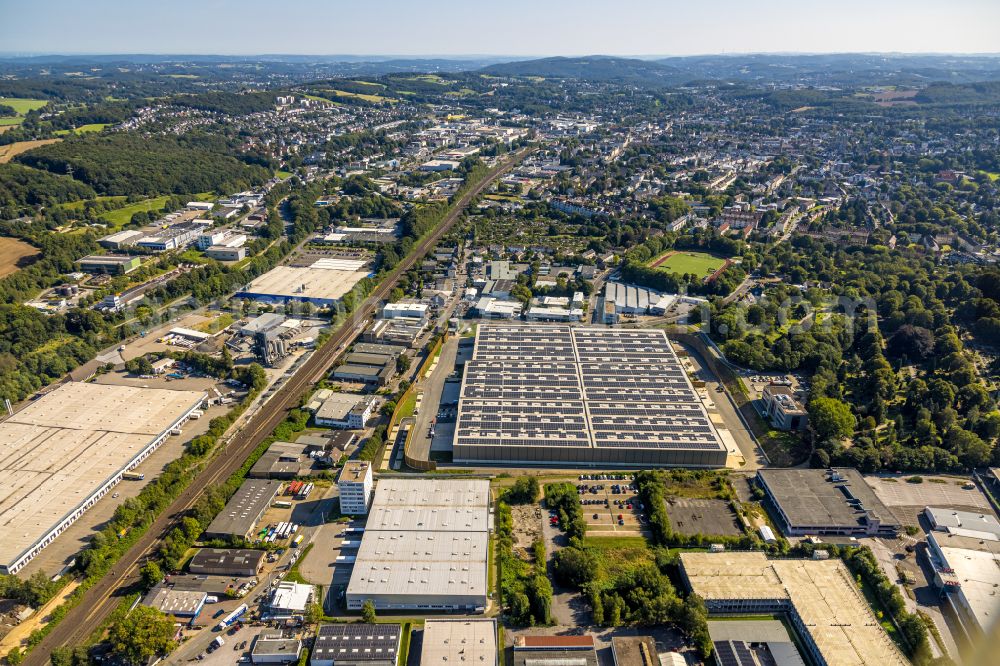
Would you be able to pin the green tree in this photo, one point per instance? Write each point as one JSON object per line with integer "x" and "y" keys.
{"x": 402, "y": 363}
{"x": 368, "y": 612}
{"x": 143, "y": 633}
{"x": 831, "y": 418}
{"x": 575, "y": 566}
{"x": 314, "y": 613}
{"x": 151, "y": 574}
{"x": 524, "y": 491}
{"x": 15, "y": 656}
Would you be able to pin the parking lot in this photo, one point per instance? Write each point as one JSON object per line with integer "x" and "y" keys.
{"x": 907, "y": 500}
{"x": 702, "y": 516}
{"x": 320, "y": 566}
{"x": 611, "y": 506}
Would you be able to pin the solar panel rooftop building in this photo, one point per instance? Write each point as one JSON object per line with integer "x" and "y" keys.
{"x": 560, "y": 395}
{"x": 355, "y": 644}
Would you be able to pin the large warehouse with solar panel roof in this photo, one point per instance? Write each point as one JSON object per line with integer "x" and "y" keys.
{"x": 560, "y": 395}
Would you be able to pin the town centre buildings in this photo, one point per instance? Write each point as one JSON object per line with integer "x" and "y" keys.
{"x": 425, "y": 546}
{"x": 66, "y": 450}
{"x": 560, "y": 395}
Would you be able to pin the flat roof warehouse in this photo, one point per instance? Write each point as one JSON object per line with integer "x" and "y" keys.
{"x": 66, "y": 450}
{"x": 425, "y": 546}
{"x": 322, "y": 283}
{"x": 576, "y": 395}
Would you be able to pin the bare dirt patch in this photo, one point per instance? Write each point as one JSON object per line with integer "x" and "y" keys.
{"x": 8, "y": 152}
{"x": 14, "y": 255}
{"x": 527, "y": 528}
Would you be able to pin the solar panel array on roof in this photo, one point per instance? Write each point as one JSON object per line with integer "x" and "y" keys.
{"x": 356, "y": 643}
{"x": 558, "y": 394}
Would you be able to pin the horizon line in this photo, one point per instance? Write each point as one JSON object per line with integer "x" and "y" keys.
{"x": 470, "y": 56}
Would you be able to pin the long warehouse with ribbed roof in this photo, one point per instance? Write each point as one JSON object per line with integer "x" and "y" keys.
{"x": 67, "y": 449}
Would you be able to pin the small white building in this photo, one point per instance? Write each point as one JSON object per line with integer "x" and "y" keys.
{"x": 344, "y": 410}
{"x": 288, "y": 600}
{"x": 355, "y": 485}
{"x": 409, "y": 310}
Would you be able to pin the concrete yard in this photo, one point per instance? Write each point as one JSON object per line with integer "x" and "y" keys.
{"x": 702, "y": 516}
{"x": 934, "y": 491}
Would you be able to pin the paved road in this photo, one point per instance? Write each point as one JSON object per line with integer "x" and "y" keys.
{"x": 99, "y": 602}
{"x": 731, "y": 418}
{"x": 420, "y": 441}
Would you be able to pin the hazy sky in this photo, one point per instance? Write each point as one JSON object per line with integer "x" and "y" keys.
{"x": 504, "y": 27}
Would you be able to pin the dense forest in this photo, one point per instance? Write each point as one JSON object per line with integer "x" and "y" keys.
{"x": 229, "y": 103}
{"x": 123, "y": 164}
{"x": 22, "y": 186}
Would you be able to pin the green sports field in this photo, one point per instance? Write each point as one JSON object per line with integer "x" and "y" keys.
{"x": 696, "y": 263}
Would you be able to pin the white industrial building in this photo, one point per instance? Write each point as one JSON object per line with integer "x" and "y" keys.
{"x": 425, "y": 547}
{"x": 289, "y": 600}
{"x": 344, "y": 410}
{"x": 628, "y": 299}
{"x": 451, "y": 641}
{"x": 69, "y": 448}
{"x": 322, "y": 283}
{"x": 408, "y": 310}
{"x": 967, "y": 571}
{"x": 355, "y": 486}
{"x": 975, "y": 524}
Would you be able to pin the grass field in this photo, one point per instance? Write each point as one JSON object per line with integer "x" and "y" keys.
{"x": 120, "y": 217}
{"x": 367, "y": 98}
{"x": 696, "y": 263}
{"x": 8, "y": 152}
{"x": 21, "y": 105}
{"x": 83, "y": 129}
{"x": 13, "y": 252}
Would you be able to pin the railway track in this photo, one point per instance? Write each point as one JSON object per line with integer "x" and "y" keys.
{"x": 101, "y": 599}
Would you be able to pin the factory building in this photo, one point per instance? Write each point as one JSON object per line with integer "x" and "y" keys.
{"x": 447, "y": 642}
{"x": 404, "y": 310}
{"x": 177, "y": 603}
{"x": 557, "y": 395}
{"x": 826, "y": 502}
{"x": 632, "y": 300}
{"x": 109, "y": 264}
{"x": 322, "y": 283}
{"x": 226, "y": 562}
{"x": 967, "y": 572}
{"x": 344, "y": 410}
{"x": 356, "y": 645}
{"x": 274, "y": 648}
{"x": 244, "y": 510}
{"x": 174, "y": 238}
{"x": 425, "y": 547}
{"x": 69, "y": 448}
{"x": 819, "y": 597}
{"x": 974, "y": 524}
{"x": 555, "y": 651}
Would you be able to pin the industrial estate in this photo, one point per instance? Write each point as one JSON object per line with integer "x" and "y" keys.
{"x": 595, "y": 361}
